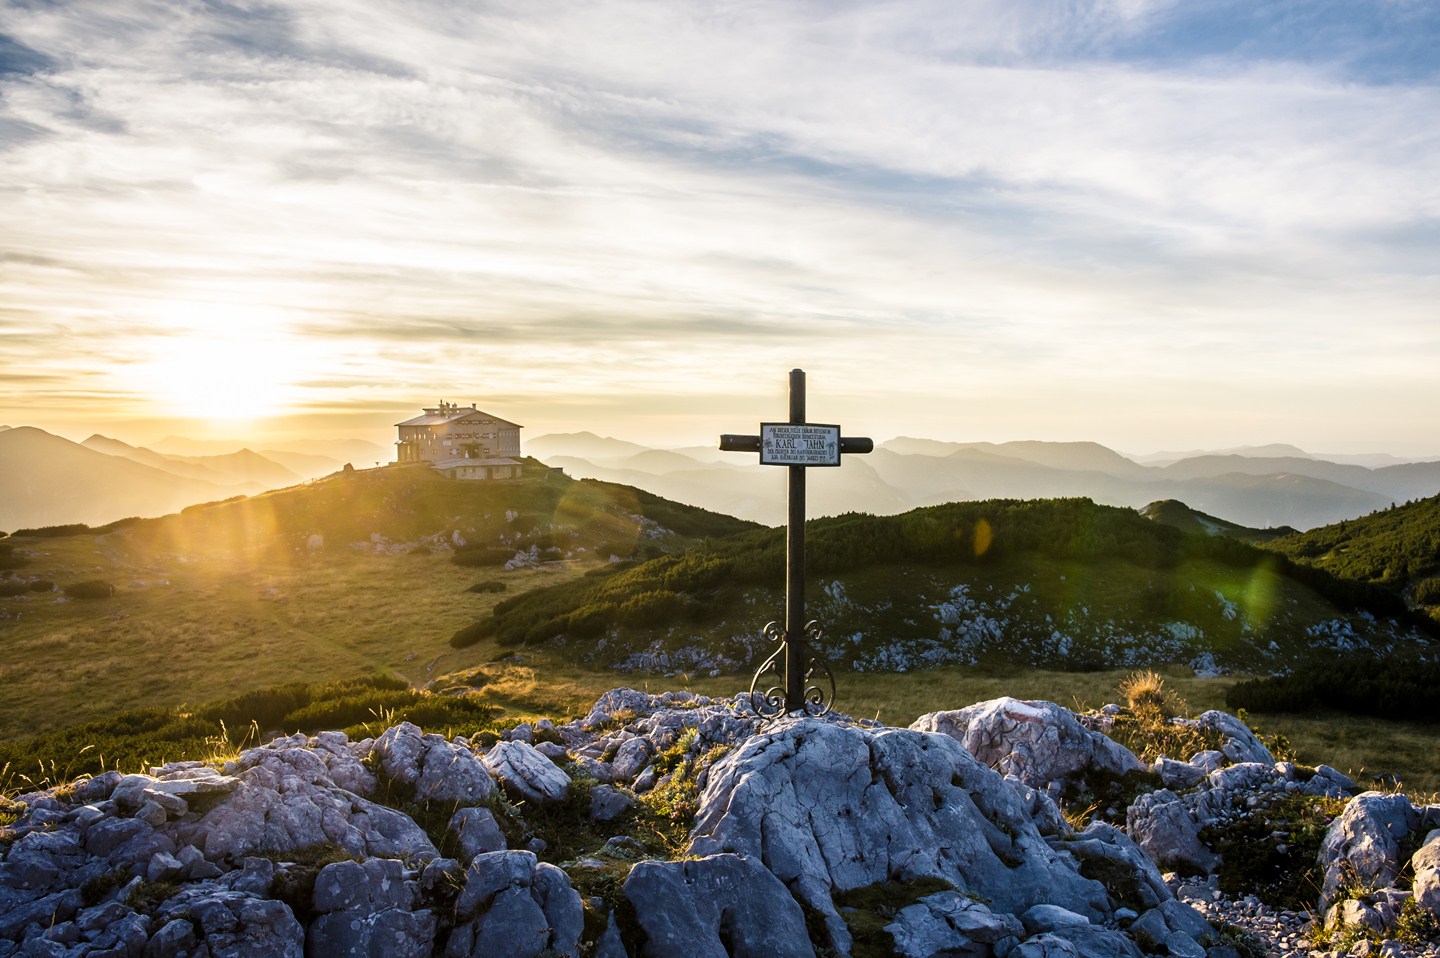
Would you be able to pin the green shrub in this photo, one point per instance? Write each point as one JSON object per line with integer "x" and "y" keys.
{"x": 13, "y": 587}
{"x": 1427, "y": 592}
{"x": 90, "y": 589}
{"x": 472, "y": 633}
{"x": 41, "y": 585}
{"x": 1358, "y": 685}
{"x": 655, "y": 607}
{"x": 481, "y": 556}
{"x": 8, "y": 558}
{"x": 53, "y": 532}
{"x": 347, "y": 710}
{"x": 487, "y": 585}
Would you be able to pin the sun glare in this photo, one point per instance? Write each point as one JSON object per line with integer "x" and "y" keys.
{"x": 230, "y": 363}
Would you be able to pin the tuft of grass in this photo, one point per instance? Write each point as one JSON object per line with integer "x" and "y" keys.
{"x": 1147, "y": 724}
{"x": 147, "y": 896}
{"x": 1147, "y": 694}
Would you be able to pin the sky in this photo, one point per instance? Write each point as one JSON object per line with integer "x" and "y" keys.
{"x": 1147, "y": 223}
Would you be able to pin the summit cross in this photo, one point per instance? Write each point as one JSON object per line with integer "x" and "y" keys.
{"x": 796, "y": 445}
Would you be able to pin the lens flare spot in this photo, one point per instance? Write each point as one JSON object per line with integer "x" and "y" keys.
{"x": 984, "y": 536}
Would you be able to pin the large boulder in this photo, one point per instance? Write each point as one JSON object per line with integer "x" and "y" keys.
{"x": 1425, "y": 865}
{"x": 527, "y": 774}
{"x": 514, "y": 906}
{"x": 438, "y": 770}
{"x": 1362, "y": 846}
{"x": 830, "y": 808}
{"x": 1038, "y": 742}
{"x": 226, "y": 923}
{"x": 288, "y": 797}
{"x": 1162, "y": 824}
{"x": 714, "y": 907}
{"x": 369, "y": 908}
{"x": 950, "y": 923}
{"x": 1237, "y": 742}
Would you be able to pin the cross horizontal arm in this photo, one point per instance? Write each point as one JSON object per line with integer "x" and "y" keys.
{"x": 855, "y": 445}
{"x": 732, "y": 443}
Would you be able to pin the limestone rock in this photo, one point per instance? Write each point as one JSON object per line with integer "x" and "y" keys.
{"x": 1043, "y": 918}
{"x": 477, "y": 832}
{"x": 1425, "y": 865}
{"x": 286, "y": 799}
{"x": 713, "y": 907}
{"x": 632, "y": 756}
{"x": 1164, "y": 827}
{"x": 608, "y": 803}
{"x": 514, "y": 906}
{"x": 1133, "y": 880}
{"x": 949, "y": 923}
{"x": 1238, "y": 743}
{"x": 526, "y": 774}
{"x": 369, "y": 908}
{"x": 1039, "y": 742}
{"x": 1364, "y": 842}
{"x": 438, "y": 770}
{"x": 231, "y": 924}
{"x": 1179, "y": 775}
{"x": 1086, "y": 941}
{"x": 897, "y": 804}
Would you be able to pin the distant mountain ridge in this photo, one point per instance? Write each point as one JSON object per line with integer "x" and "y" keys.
{"x": 1266, "y": 487}
{"x": 1283, "y": 487}
{"x": 48, "y": 480}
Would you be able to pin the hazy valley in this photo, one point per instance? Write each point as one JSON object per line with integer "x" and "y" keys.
{"x": 48, "y": 480}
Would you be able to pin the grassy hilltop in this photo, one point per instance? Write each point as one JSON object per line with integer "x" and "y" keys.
{"x": 350, "y": 574}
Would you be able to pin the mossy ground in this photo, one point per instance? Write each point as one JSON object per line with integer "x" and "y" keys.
{"x": 1270, "y": 851}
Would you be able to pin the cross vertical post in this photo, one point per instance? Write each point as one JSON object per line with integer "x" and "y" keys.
{"x": 795, "y": 562}
{"x": 797, "y": 445}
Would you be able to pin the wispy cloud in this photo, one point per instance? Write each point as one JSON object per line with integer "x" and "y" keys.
{"x": 927, "y": 201}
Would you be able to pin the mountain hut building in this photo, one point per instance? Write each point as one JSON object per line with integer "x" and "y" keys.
{"x": 461, "y": 442}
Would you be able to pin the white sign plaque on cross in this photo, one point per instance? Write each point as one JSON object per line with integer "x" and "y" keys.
{"x": 799, "y": 444}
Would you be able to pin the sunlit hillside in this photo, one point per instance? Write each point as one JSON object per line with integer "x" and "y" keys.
{"x": 350, "y": 574}
{"x": 1397, "y": 548}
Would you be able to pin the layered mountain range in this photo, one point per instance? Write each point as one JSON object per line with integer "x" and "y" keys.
{"x": 48, "y": 480}
{"x": 1261, "y": 487}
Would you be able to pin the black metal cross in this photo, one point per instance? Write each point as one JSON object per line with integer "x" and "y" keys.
{"x": 798, "y": 445}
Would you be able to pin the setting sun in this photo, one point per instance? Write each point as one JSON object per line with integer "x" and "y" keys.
{"x": 231, "y": 363}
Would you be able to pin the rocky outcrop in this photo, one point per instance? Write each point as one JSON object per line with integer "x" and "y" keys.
{"x": 369, "y": 908}
{"x": 526, "y": 773}
{"x": 801, "y": 828}
{"x": 438, "y": 770}
{"x": 1038, "y": 742}
{"x": 830, "y": 808}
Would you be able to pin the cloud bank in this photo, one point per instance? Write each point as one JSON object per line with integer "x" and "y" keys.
{"x": 1129, "y": 220}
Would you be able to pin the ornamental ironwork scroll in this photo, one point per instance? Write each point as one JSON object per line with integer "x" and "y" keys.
{"x": 818, "y": 698}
